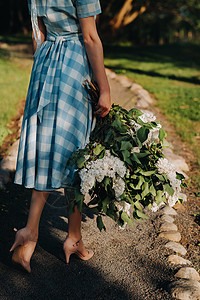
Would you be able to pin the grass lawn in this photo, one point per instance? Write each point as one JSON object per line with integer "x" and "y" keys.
{"x": 14, "y": 78}
{"x": 172, "y": 74}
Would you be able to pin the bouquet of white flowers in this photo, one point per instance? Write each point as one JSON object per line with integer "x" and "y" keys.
{"x": 123, "y": 166}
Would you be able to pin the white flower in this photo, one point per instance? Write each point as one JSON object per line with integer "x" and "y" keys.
{"x": 155, "y": 207}
{"x": 87, "y": 157}
{"x": 108, "y": 166}
{"x": 118, "y": 186}
{"x": 135, "y": 125}
{"x": 130, "y": 132}
{"x": 164, "y": 166}
{"x": 153, "y": 135}
{"x": 147, "y": 117}
{"x": 135, "y": 150}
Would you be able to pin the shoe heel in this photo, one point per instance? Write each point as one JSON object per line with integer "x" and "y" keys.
{"x": 67, "y": 255}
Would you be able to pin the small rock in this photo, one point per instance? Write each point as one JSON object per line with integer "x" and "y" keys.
{"x": 9, "y": 163}
{"x": 135, "y": 87}
{"x": 167, "y": 210}
{"x": 171, "y": 235}
{"x": 178, "y": 260}
{"x": 168, "y": 227}
{"x": 184, "y": 289}
{"x": 178, "y": 161}
{"x": 188, "y": 273}
{"x": 167, "y": 218}
{"x": 179, "y": 206}
{"x": 176, "y": 247}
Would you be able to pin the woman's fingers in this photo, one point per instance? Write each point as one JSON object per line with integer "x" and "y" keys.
{"x": 102, "y": 112}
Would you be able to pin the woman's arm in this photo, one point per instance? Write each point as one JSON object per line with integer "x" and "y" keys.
{"x": 94, "y": 51}
{"x": 42, "y": 29}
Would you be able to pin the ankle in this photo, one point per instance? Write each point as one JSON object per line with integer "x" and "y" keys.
{"x": 75, "y": 237}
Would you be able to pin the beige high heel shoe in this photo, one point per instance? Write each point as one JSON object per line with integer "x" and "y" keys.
{"x": 23, "y": 247}
{"x": 72, "y": 247}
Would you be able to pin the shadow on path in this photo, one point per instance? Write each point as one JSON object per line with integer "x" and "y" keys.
{"x": 132, "y": 275}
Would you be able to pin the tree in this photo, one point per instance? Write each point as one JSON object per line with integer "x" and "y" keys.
{"x": 120, "y": 16}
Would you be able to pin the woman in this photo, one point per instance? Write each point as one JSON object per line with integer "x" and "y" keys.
{"x": 57, "y": 116}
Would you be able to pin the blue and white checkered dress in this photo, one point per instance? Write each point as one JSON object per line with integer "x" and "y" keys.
{"x": 57, "y": 117}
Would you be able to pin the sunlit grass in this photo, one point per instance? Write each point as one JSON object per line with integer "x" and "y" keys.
{"x": 172, "y": 74}
{"x": 14, "y": 77}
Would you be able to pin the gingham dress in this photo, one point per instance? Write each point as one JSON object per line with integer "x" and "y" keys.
{"x": 57, "y": 116}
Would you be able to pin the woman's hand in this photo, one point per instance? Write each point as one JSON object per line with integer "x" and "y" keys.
{"x": 103, "y": 106}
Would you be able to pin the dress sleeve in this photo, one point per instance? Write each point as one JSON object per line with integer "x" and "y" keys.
{"x": 87, "y": 8}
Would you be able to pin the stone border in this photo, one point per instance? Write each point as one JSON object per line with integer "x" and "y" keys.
{"x": 186, "y": 285}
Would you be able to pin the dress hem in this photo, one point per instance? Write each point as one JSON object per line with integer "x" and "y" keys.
{"x": 41, "y": 190}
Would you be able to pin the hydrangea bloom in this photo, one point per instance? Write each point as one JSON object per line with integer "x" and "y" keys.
{"x": 146, "y": 117}
{"x": 165, "y": 167}
{"x": 97, "y": 170}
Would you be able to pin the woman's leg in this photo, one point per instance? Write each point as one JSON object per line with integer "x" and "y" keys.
{"x": 74, "y": 225}
{"x": 74, "y": 243}
{"x": 26, "y": 238}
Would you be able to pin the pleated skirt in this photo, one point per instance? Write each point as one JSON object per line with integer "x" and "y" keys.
{"x": 57, "y": 117}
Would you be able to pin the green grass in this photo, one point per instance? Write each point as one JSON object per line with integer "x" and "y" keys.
{"x": 16, "y": 39}
{"x": 14, "y": 77}
{"x": 172, "y": 74}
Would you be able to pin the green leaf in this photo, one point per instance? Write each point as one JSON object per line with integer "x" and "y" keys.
{"x": 145, "y": 189}
{"x": 152, "y": 190}
{"x": 140, "y": 182}
{"x": 134, "y": 112}
{"x": 162, "y": 134}
{"x": 141, "y": 155}
{"x": 108, "y": 136}
{"x": 105, "y": 203}
{"x": 137, "y": 205}
{"x": 148, "y": 173}
{"x": 180, "y": 176}
{"x": 111, "y": 210}
{"x": 80, "y": 162}
{"x": 79, "y": 200}
{"x": 134, "y": 158}
{"x": 116, "y": 123}
{"x": 160, "y": 177}
{"x": 107, "y": 181}
{"x": 168, "y": 189}
{"x": 98, "y": 149}
{"x": 138, "y": 142}
{"x": 141, "y": 215}
{"x": 100, "y": 223}
{"x": 126, "y": 154}
{"x": 126, "y": 146}
{"x": 158, "y": 197}
{"x": 127, "y": 219}
{"x": 142, "y": 134}
{"x": 138, "y": 197}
